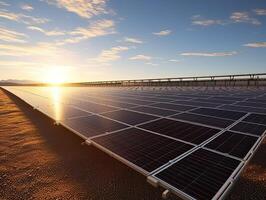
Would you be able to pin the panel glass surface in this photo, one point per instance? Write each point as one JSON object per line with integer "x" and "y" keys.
{"x": 93, "y": 125}
{"x": 184, "y": 131}
{"x": 256, "y": 118}
{"x": 234, "y": 144}
{"x": 173, "y": 106}
{"x": 200, "y": 174}
{"x": 146, "y": 150}
{"x": 253, "y": 129}
{"x": 129, "y": 117}
{"x": 219, "y": 113}
{"x": 210, "y": 121}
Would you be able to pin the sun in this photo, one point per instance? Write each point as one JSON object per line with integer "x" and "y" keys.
{"x": 55, "y": 75}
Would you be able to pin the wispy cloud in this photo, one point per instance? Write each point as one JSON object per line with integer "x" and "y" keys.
{"x": 256, "y": 45}
{"x": 96, "y": 29}
{"x": 2, "y": 3}
{"x": 209, "y": 54}
{"x": 152, "y": 64}
{"x": 162, "y": 33}
{"x": 8, "y": 35}
{"x": 260, "y": 11}
{"x": 21, "y": 18}
{"x": 41, "y": 49}
{"x": 174, "y": 60}
{"x": 141, "y": 57}
{"x": 244, "y": 17}
{"x": 108, "y": 55}
{"x": 83, "y": 8}
{"x": 26, "y": 7}
{"x": 235, "y": 17}
{"x": 133, "y": 40}
{"x": 199, "y": 20}
{"x": 48, "y": 33}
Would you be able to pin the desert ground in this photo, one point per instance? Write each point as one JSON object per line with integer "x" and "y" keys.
{"x": 40, "y": 160}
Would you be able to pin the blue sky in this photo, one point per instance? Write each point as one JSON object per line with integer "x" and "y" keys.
{"x": 89, "y": 40}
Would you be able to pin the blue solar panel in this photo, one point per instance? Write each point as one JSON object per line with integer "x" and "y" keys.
{"x": 191, "y": 140}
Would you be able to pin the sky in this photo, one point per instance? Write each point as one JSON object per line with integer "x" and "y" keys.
{"x": 89, "y": 40}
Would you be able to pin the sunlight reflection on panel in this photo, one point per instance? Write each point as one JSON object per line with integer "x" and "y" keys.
{"x": 56, "y": 98}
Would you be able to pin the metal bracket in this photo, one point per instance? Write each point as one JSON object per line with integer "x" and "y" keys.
{"x": 151, "y": 180}
{"x": 166, "y": 194}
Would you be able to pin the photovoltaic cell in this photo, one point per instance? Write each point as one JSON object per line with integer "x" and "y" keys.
{"x": 253, "y": 129}
{"x": 184, "y": 131}
{"x": 234, "y": 144}
{"x": 146, "y": 150}
{"x": 211, "y": 121}
{"x": 200, "y": 174}
{"x": 129, "y": 117}
{"x": 200, "y": 104}
{"x": 256, "y": 118}
{"x": 155, "y": 111}
{"x": 234, "y": 115}
{"x": 173, "y": 106}
{"x": 244, "y": 109}
{"x": 93, "y": 125}
{"x": 256, "y": 105}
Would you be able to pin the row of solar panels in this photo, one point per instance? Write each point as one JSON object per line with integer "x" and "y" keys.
{"x": 196, "y": 150}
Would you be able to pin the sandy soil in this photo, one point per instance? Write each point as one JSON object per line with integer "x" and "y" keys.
{"x": 39, "y": 160}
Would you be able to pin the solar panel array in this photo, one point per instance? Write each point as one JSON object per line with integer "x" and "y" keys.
{"x": 192, "y": 141}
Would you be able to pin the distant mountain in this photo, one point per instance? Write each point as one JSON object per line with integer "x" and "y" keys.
{"x": 16, "y": 82}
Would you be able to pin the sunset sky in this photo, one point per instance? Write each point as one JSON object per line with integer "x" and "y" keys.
{"x": 87, "y": 40}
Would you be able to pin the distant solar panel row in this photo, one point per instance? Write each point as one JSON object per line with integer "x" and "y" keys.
{"x": 193, "y": 141}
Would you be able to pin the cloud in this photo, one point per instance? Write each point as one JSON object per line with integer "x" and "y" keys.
{"x": 174, "y": 60}
{"x": 152, "y": 64}
{"x": 200, "y": 21}
{"x": 260, "y": 11}
{"x": 209, "y": 54}
{"x": 48, "y": 33}
{"x": 2, "y": 3}
{"x": 256, "y": 45}
{"x": 133, "y": 40}
{"x": 96, "y": 29}
{"x": 162, "y": 33}
{"x": 26, "y": 7}
{"x": 108, "y": 55}
{"x": 8, "y": 35}
{"x": 41, "y": 49}
{"x": 21, "y": 18}
{"x": 83, "y": 8}
{"x": 141, "y": 57}
{"x": 243, "y": 17}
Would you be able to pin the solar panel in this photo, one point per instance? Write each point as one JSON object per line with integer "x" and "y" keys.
{"x": 180, "y": 130}
{"x": 192, "y": 141}
{"x": 244, "y": 109}
{"x": 199, "y": 175}
{"x": 253, "y": 129}
{"x": 199, "y": 104}
{"x": 146, "y": 150}
{"x": 129, "y": 117}
{"x": 175, "y": 107}
{"x": 93, "y": 125}
{"x": 210, "y": 121}
{"x": 234, "y": 144}
{"x": 219, "y": 113}
{"x": 256, "y": 118}
{"x": 155, "y": 111}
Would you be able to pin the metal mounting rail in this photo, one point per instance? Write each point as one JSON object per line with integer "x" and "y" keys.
{"x": 258, "y": 79}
